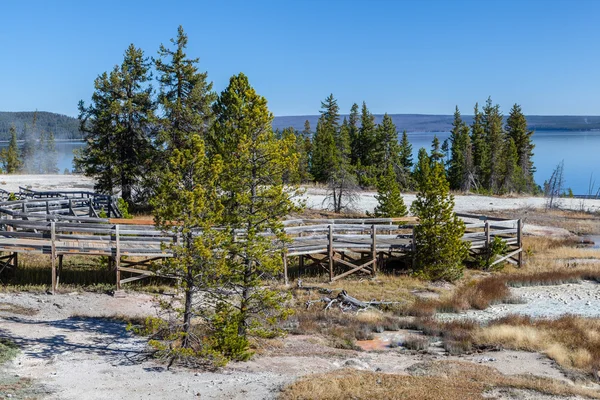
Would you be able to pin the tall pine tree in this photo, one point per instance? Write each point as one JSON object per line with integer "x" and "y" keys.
{"x": 516, "y": 129}
{"x": 117, "y": 127}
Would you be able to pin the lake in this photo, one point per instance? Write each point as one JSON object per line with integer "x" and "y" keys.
{"x": 578, "y": 149}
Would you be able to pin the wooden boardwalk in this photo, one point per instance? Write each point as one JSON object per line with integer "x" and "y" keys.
{"x": 65, "y": 226}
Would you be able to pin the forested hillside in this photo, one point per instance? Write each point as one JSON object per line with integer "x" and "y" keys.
{"x": 62, "y": 126}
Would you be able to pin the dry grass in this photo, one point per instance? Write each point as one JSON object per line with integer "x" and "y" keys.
{"x": 434, "y": 380}
{"x": 573, "y": 342}
{"x": 17, "y": 309}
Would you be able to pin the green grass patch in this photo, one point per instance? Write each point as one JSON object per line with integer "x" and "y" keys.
{"x": 8, "y": 350}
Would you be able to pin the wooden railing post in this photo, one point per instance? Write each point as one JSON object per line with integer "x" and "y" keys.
{"x": 520, "y": 242}
{"x": 487, "y": 235}
{"x": 374, "y": 248}
{"x": 413, "y": 248}
{"x": 285, "y": 267}
{"x": 330, "y": 252}
{"x": 118, "y": 256}
{"x": 53, "y": 255}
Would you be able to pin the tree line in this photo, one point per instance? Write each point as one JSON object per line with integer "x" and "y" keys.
{"x": 63, "y": 126}
{"x": 36, "y": 155}
{"x": 487, "y": 156}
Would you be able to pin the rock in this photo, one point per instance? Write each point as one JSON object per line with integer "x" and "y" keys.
{"x": 357, "y": 364}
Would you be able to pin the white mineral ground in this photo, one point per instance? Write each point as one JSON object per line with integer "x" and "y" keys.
{"x": 72, "y": 357}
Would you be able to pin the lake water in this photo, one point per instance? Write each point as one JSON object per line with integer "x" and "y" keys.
{"x": 579, "y": 150}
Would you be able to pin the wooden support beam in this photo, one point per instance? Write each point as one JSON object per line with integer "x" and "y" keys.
{"x": 53, "y": 255}
{"x": 60, "y": 267}
{"x": 360, "y": 267}
{"x": 520, "y": 242}
{"x": 118, "y": 256}
{"x": 509, "y": 255}
{"x": 330, "y": 252}
{"x": 285, "y": 268}
{"x": 374, "y": 248}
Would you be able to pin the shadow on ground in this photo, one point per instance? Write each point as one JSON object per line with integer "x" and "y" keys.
{"x": 86, "y": 336}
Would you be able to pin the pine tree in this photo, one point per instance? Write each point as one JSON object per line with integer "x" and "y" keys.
{"x": 494, "y": 137}
{"x": 479, "y": 146}
{"x": 186, "y": 95}
{"x": 389, "y": 199}
{"x": 341, "y": 187}
{"x": 366, "y": 166}
{"x": 405, "y": 161}
{"x": 460, "y": 169}
{"x": 324, "y": 146}
{"x": 405, "y": 152}
{"x": 255, "y": 201}
{"x": 440, "y": 250}
{"x": 354, "y": 134}
{"x": 11, "y": 162}
{"x": 436, "y": 153}
{"x": 117, "y": 127}
{"x": 367, "y": 136}
{"x": 512, "y": 177}
{"x": 516, "y": 129}
{"x": 386, "y": 149}
{"x": 186, "y": 201}
{"x": 304, "y": 143}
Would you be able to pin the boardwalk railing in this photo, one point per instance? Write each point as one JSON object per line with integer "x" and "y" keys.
{"x": 59, "y": 227}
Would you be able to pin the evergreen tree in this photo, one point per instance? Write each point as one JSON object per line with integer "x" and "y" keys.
{"x": 255, "y": 201}
{"x": 354, "y": 134}
{"x": 185, "y": 96}
{"x": 342, "y": 181}
{"x": 117, "y": 127}
{"x": 324, "y": 146}
{"x": 436, "y": 153}
{"x": 367, "y": 136}
{"x": 460, "y": 174}
{"x": 387, "y": 149}
{"x": 304, "y": 143}
{"x": 440, "y": 250}
{"x": 494, "y": 137}
{"x": 405, "y": 161}
{"x": 479, "y": 146}
{"x": 405, "y": 152}
{"x": 516, "y": 129}
{"x": 186, "y": 201}
{"x": 389, "y": 199}
{"x": 512, "y": 177}
{"x": 11, "y": 162}
{"x": 366, "y": 166}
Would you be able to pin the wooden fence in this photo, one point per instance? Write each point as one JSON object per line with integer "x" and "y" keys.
{"x": 60, "y": 227}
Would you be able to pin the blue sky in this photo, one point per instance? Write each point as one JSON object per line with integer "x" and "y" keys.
{"x": 398, "y": 56}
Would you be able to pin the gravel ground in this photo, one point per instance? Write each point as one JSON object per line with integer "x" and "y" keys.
{"x": 315, "y": 197}
{"x": 71, "y": 353}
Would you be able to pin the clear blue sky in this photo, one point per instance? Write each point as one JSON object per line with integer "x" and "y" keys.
{"x": 398, "y": 56}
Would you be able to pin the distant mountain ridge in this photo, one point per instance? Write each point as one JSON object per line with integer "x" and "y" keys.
{"x": 62, "y": 126}
{"x": 443, "y": 123}
{"x": 67, "y": 128}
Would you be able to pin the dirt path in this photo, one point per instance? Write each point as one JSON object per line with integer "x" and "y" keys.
{"x": 77, "y": 357}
